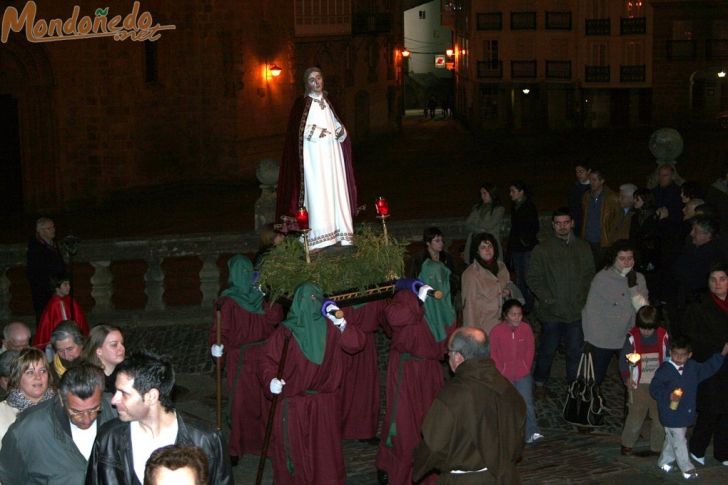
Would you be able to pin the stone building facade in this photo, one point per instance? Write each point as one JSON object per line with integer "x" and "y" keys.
{"x": 95, "y": 116}
{"x": 552, "y": 64}
{"x": 691, "y": 52}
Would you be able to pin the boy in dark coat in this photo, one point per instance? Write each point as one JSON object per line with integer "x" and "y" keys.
{"x": 674, "y": 387}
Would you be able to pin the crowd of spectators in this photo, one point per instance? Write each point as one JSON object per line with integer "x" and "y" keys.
{"x": 639, "y": 270}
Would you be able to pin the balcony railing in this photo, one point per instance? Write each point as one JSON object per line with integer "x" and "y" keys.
{"x": 681, "y": 49}
{"x": 145, "y": 278}
{"x": 558, "y": 69}
{"x": 523, "y": 69}
{"x": 632, "y": 74}
{"x": 490, "y": 69}
{"x": 633, "y": 25}
{"x": 321, "y": 17}
{"x": 596, "y": 74}
{"x": 490, "y": 21}
{"x": 716, "y": 49}
{"x": 558, "y": 20}
{"x": 598, "y": 26}
{"x": 378, "y": 23}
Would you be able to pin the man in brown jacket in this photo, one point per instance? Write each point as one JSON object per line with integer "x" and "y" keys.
{"x": 600, "y": 208}
{"x": 473, "y": 433}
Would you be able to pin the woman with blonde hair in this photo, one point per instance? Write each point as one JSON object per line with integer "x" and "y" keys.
{"x": 105, "y": 348}
{"x": 30, "y": 383}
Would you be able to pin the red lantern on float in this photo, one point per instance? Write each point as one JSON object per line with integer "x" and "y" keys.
{"x": 302, "y": 219}
{"x": 382, "y": 207}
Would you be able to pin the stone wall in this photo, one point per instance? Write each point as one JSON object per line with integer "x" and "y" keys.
{"x": 194, "y": 105}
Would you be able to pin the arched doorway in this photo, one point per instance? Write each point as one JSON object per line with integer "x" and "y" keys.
{"x": 26, "y": 109}
{"x": 708, "y": 94}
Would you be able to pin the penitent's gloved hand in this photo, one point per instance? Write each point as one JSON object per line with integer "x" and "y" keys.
{"x": 422, "y": 293}
{"x": 330, "y": 312}
{"x": 276, "y": 385}
{"x": 217, "y": 350}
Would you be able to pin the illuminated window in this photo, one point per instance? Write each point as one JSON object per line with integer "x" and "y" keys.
{"x": 635, "y": 8}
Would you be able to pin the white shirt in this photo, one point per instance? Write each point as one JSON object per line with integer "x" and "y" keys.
{"x": 84, "y": 438}
{"x": 143, "y": 445}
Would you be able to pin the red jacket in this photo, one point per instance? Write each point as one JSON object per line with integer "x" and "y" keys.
{"x": 57, "y": 310}
{"x": 512, "y": 349}
{"x": 661, "y": 347}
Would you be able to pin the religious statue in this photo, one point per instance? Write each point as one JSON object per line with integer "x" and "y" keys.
{"x": 316, "y": 168}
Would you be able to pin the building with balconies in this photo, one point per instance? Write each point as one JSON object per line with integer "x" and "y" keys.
{"x": 690, "y": 61}
{"x": 556, "y": 64}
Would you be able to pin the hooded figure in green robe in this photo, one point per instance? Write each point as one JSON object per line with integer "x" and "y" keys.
{"x": 306, "y": 322}
{"x": 242, "y": 287}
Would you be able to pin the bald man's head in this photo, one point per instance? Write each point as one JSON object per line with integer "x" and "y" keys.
{"x": 467, "y": 343}
{"x": 16, "y": 336}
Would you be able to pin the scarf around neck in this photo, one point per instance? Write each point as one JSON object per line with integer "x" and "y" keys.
{"x": 722, "y": 304}
{"x": 492, "y": 266}
{"x": 18, "y": 400}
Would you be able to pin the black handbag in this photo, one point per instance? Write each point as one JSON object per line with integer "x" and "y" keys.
{"x": 584, "y": 404}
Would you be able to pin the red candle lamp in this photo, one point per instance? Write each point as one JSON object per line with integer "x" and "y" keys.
{"x": 302, "y": 219}
{"x": 382, "y": 207}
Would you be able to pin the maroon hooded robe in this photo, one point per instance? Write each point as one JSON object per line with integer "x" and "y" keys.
{"x": 306, "y": 441}
{"x": 414, "y": 377}
{"x": 242, "y": 334}
{"x": 360, "y": 392}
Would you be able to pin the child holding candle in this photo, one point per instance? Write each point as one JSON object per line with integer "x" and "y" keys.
{"x": 512, "y": 349}
{"x": 674, "y": 387}
{"x": 647, "y": 344}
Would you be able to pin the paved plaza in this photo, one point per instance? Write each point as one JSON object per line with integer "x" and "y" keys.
{"x": 563, "y": 457}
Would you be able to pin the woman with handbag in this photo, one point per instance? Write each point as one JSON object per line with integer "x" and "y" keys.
{"x": 615, "y": 295}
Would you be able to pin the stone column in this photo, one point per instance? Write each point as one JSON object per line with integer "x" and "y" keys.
{"x": 154, "y": 284}
{"x": 265, "y": 206}
{"x": 102, "y": 287}
{"x": 209, "y": 279}
{"x": 4, "y": 293}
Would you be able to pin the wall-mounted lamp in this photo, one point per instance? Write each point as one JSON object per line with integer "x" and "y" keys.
{"x": 405, "y": 53}
{"x": 721, "y": 74}
{"x": 449, "y": 52}
{"x": 275, "y": 71}
{"x": 526, "y": 90}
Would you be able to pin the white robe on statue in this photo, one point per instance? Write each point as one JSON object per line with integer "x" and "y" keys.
{"x": 326, "y": 194}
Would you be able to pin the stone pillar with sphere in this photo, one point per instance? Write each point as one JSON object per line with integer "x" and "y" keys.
{"x": 666, "y": 145}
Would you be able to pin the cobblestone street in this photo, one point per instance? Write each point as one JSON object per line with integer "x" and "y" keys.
{"x": 563, "y": 457}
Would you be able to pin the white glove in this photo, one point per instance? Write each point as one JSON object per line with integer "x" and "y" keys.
{"x": 216, "y": 350}
{"x": 422, "y": 292}
{"x": 276, "y": 385}
{"x": 339, "y": 323}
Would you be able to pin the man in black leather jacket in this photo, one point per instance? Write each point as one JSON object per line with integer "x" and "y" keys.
{"x": 147, "y": 421}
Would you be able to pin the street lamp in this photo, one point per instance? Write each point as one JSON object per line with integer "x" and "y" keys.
{"x": 403, "y": 71}
{"x": 721, "y": 74}
{"x": 526, "y": 90}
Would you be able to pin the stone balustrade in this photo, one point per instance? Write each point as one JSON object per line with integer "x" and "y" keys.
{"x": 101, "y": 254}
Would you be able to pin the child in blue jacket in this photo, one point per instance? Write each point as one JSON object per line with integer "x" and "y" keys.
{"x": 675, "y": 387}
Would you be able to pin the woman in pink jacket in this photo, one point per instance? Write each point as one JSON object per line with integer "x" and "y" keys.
{"x": 512, "y": 348}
